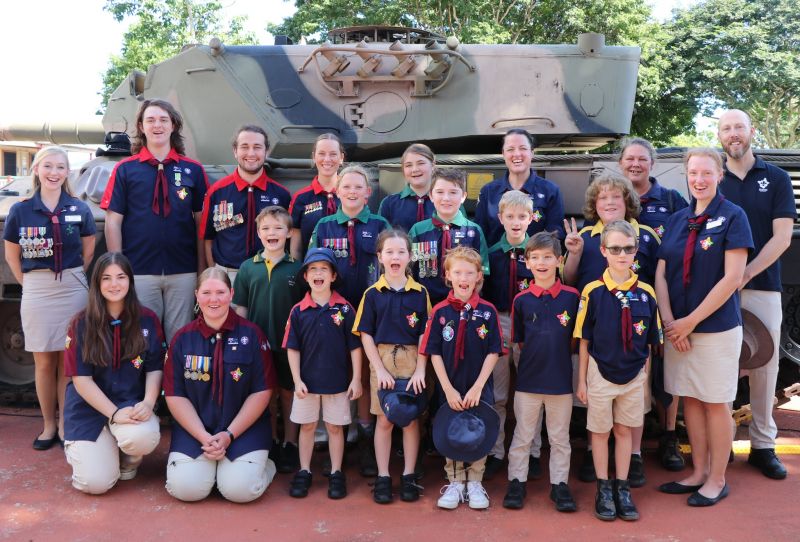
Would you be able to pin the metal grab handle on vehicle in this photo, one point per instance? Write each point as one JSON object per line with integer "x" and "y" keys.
{"x": 309, "y": 127}
{"x": 518, "y": 119}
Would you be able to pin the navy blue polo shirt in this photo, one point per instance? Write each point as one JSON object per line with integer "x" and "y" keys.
{"x": 593, "y": 263}
{"x": 765, "y": 194}
{"x": 548, "y": 206}
{"x": 393, "y": 316}
{"x": 324, "y": 337}
{"x": 225, "y": 215}
{"x": 308, "y": 206}
{"x": 426, "y": 247}
{"x": 331, "y": 232}
{"x": 156, "y": 244}
{"x": 599, "y": 322}
{"x": 544, "y": 321}
{"x": 124, "y": 386}
{"x": 726, "y": 229}
{"x": 657, "y": 206}
{"x": 247, "y": 369}
{"x": 497, "y": 290}
{"x": 400, "y": 209}
{"x": 28, "y": 226}
{"x": 483, "y": 337}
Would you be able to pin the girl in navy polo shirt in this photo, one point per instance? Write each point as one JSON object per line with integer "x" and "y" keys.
{"x": 49, "y": 243}
{"x": 412, "y": 204}
{"x": 218, "y": 379}
{"x": 115, "y": 356}
{"x": 391, "y": 319}
{"x": 700, "y": 267}
{"x": 464, "y": 339}
{"x": 318, "y": 199}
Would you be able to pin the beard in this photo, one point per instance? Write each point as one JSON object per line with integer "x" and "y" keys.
{"x": 251, "y": 171}
{"x": 738, "y": 153}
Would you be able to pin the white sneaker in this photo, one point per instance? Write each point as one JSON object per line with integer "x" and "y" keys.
{"x": 127, "y": 473}
{"x": 452, "y": 495}
{"x": 477, "y": 496}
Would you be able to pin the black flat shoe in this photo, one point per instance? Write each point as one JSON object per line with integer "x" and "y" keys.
{"x": 696, "y": 499}
{"x": 676, "y": 488}
{"x": 45, "y": 443}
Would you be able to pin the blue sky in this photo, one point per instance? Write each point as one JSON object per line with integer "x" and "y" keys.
{"x": 55, "y": 54}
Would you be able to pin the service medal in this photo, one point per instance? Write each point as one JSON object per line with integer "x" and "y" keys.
{"x": 187, "y": 374}
{"x": 194, "y": 375}
{"x": 205, "y": 377}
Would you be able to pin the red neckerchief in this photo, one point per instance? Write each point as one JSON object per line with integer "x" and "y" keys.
{"x": 117, "y": 344}
{"x": 161, "y": 185}
{"x": 445, "y": 227}
{"x": 463, "y": 311}
{"x": 695, "y": 225}
{"x": 626, "y": 321}
{"x": 217, "y": 375}
{"x": 330, "y": 208}
{"x": 351, "y": 239}
{"x": 421, "y": 207}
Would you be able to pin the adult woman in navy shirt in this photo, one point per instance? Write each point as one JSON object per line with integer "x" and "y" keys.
{"x": 115, "y": 356}
{"x": 49, "y": 242}
{"x": 218, "y": 379}
{"x": 700, "y": 267}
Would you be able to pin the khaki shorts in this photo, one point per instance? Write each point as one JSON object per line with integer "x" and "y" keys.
{"x": 611, "y": 403}
{"x": 401, "y": 362}
{"x": 335, "y": 408}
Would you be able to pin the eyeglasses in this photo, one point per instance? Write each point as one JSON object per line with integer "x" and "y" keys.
{"x": 631, "y": 249}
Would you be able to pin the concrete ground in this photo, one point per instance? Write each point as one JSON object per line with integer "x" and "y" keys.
{"x": 37, "y": 503}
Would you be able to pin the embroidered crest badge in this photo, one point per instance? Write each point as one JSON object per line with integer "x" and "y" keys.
{"x": 412, "y": 319}
{"x": 337, "y": 318}
{"x": 182, "y": 193}
{"x": 237, "y": 374}
{"x": 706, "y": 243}
{"x": 564, "y": 318}
{"x": 448, "y": 333}
{"x": 137, "y": 361}
{"x": 482, "y": 331}
{"x": 537, "y": 215}
{"x": 639, "y": 327}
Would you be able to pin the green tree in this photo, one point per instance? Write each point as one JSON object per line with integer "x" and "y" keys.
{"x": 664, "y": 105}
{"x": 744, "y": 54}
{"x": 161, "y": 29}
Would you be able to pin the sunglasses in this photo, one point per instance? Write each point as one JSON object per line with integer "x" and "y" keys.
{"x": 615, "y": 251}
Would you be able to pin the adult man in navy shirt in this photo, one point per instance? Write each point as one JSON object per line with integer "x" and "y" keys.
{"x": 153, "y": 202}
{"x": 765, "y": 193}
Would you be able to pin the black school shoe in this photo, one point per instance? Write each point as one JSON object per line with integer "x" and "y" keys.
{"x": 382, "y": 491}
{"x": 493, "y": 466}
{"x": 604, "y": 507}
{"x": 636, "y": 476}
{"x": 300, "y": 484}
{"x": 535, "y": 468}
{"x": 623, "y": 501}
{"x": 409, "y": 488}
{"x": 515, "y": 496}
{"x": 337, "y": 485}
{"x": 768, "y": 463}
{"x": 669, "y": 453}
{"x": 586, "y": 471}
{"x": 560, "y": 494}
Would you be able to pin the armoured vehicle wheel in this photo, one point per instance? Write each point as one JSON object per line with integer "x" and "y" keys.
{"x": 16, "y": 365}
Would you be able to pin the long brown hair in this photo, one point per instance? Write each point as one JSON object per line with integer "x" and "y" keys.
{"x": 97, "y": 339}
{"x": 175, "y": 138}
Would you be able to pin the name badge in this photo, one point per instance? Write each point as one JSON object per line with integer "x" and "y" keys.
{"x": 72, "y": 218}
{"x": 715, "y": 223}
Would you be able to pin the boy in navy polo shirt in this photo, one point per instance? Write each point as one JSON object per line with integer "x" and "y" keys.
{"x": 543, "y": 323}
{"x": 510, "y": 276}
{"x": 228, "y": 227}
{"x": 617, "y": 323}
{"x": 318, "y": 338}
{"x": 153, "y": 201}
{"x": 464, "y": 339}
{"x": 267, "y": 286}
{"x": 448, "y": 228}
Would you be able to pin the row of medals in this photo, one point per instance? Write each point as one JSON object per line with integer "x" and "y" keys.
{"x": 426, "y": 255}
{"x": 197, "y": 368}
{"x": 224, "y": 218}
{"x": 34, "y": 243}
{"x": 338, "y": 246}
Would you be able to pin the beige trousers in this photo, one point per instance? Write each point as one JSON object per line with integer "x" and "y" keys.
{"x": 242, "y": 480}
{"x": 528, "y": 411}
{"x": 96, "y": 465}
{"x": 459, "y": 471}
{"x": 171, "y": 297}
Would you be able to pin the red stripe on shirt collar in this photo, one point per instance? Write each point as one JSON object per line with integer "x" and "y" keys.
{"x": 229, "y": 324}
{"x": 554, "y": 290}
{"x": 309, "y": 303}
{"x": 145, "y": 155}
{"x": 318, "y": 189}
{"x": 260, "y": 183}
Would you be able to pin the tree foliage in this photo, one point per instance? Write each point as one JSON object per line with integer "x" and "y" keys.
{"x": 663, "y": 107}
{"x": 744, "y": 54}
{"x": 161, "y": 29}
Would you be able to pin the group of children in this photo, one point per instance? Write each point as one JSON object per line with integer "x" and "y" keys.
{"x": 371, "y": 287}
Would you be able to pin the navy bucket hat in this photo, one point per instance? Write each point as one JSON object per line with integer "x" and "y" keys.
{"x": 467, "y": 435}
{"x": 321, "y": 255}
{"x": 402, "y": 407}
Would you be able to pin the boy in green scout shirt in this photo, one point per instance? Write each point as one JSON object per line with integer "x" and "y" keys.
{"x": 266, "y": 289}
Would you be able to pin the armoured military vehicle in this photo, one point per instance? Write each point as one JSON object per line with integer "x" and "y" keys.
{"x": 379, "y": 89}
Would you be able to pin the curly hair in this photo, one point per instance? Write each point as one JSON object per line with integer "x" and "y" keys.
{"x": 611, "y": 181}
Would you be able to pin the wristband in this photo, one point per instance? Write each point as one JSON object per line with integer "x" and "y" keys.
{"x": 230, "y": 434}
{"x": 111, "y": 419}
